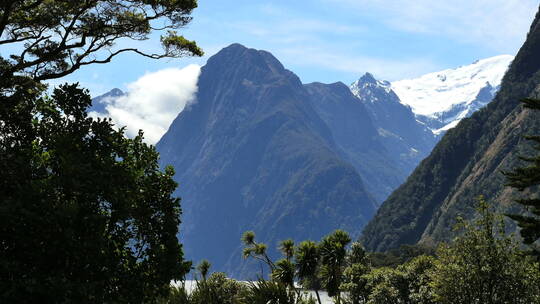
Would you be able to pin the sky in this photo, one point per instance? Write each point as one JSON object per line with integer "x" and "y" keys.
{"x": 339, "y": 40}
{"x": 319, "y": 40}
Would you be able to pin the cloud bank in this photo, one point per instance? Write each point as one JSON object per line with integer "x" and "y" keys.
{"x": 153, "y": 101}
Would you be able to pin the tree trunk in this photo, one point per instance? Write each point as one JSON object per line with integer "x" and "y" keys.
{"x": 318, "y": 297}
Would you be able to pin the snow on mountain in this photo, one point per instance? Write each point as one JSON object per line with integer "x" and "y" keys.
{"x": 441, "y": 99}
{"x": 367, "y": 84}
{"x": 407, "y": 140}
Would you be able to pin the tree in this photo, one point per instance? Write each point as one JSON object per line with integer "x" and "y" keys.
{"x": 484, "y": 266}
{"x": 217, "y": 289}
{"x": 306, "y": 259}
{"x": 355, "y": 284}
{"x": 528, "y": 177}
{"x": 416, "y": 274}
{"x": 86, "y": 215}
{"x": 383, "y": 285}
{"x": 284, "y": 270}
{"x": 256, "y": 250}
{"x": 333, "y": 252}
{"x": 60, "y": 36}
{"x": 354, "y": 280}
{"x": 203, "y": 268}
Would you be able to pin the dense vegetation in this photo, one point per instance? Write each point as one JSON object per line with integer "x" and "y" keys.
{"x": 86, "y": 214}
{"x": 528, "y": 178}
{"x": 483, "y": 265}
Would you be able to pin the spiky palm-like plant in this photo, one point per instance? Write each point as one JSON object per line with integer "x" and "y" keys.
{"x": 307, "y": 264}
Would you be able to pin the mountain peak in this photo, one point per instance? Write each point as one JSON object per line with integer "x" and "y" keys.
{"x": 99, "y": 103}
{"x": 114, "y": 92}
{"x": 253, "y": 65}
{"x": 368, "y": 78}
{"x": 368, "y": 86}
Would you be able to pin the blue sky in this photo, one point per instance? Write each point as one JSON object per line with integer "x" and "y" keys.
{"x": 338, "y": 40}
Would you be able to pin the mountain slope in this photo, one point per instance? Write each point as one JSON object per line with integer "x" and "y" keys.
{"x": 407, "y": 140}
{"x": 358, "y": 140}
{"x": 441, "y": 99}
{"x": 465, "y": 163}
{"x": 252, "y": 154}
{"x": 99, "y": 103}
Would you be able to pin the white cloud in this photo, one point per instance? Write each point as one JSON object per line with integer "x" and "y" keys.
{"x": 154, "y": 100}
{"x": 497, "y": 24}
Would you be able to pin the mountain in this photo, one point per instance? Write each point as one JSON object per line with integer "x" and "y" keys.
{"x": 467, "y": 162}
{"x": 100, "y": 102}
{"x": 253, "y": 153}
{"x": 441, "y": 99}
{"x": 356, "y": 137}
{"x": 407, "y": 140}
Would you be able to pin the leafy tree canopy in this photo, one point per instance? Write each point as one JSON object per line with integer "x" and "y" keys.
{"x": 58, "y": 37}
{"x": 86, "y": 215}
{"x": 484, "y": 266}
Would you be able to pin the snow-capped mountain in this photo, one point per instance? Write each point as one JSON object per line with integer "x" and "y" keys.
{"x": 441, "y": 99}
{"x": 369, "y": 88}
{"x": 407, "y": 140}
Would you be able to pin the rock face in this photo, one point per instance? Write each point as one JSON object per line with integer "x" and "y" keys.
{"x": 253, "y": 153}
{"x": 467, "y": 162}
{"x": 356, "y": 137}
{"x": 407, "y": 140}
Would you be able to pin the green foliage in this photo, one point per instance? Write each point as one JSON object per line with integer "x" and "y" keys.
{"x": 60, "y": 36}
{"x": 485, "y": 266}
{"x": 256, "y": 250}
{"x": 400, "y": 255}
{"x": 333, "y": 253}
{"x": 306, "y": 259}
{"x": 481, "y": 266}
{"x": 284, "y": 272}
{"x": 177, "y": 295}
{"x": 217, "y": 289}
{"x": 248, "y": 238}
{"x": 203, "y": 268}
{"x": 287, "y": 248}
{"x": 268, "y": 292}
{"x": 355, "y": 283}
{"x": 385, "y": 285}
{"x": 528, "y": 177}
{"x": 86, "y": 215}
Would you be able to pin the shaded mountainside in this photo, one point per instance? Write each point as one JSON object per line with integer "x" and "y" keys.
{"x": 253, "y": 154}
{"x": 465, "y": 163}
{"x": 357, "y": 137}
